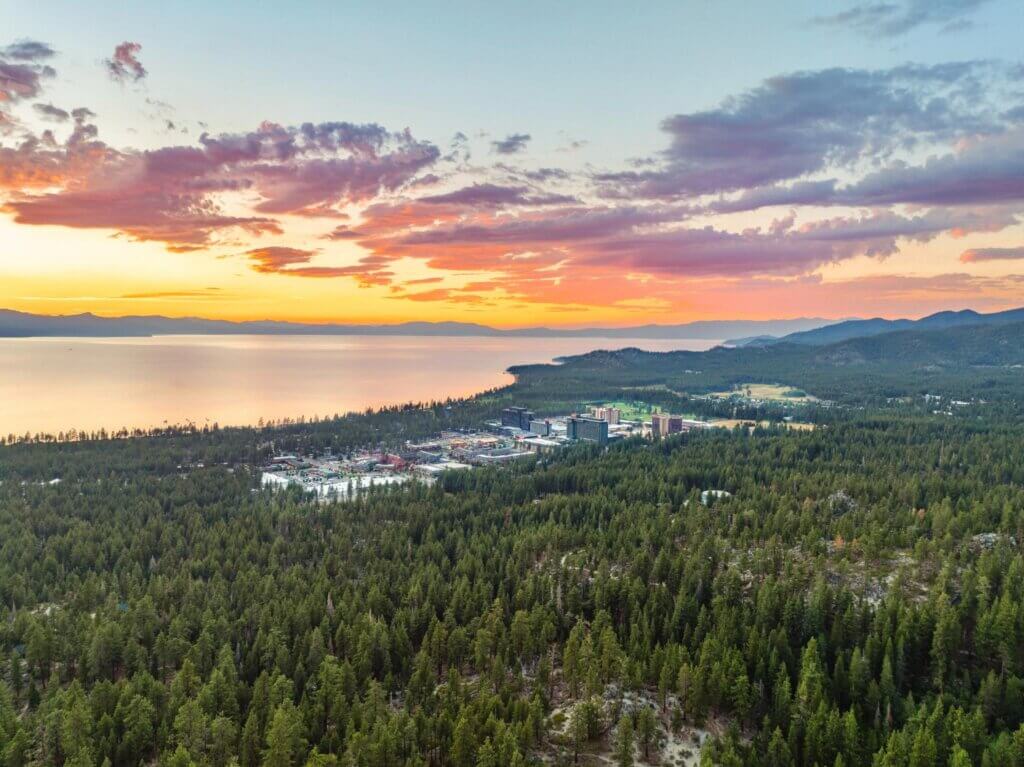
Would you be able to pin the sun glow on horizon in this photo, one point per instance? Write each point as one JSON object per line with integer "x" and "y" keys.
{"x": 871, "y": 189}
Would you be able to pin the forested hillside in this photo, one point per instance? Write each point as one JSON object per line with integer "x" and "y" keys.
{"x": 979, "y": 362}
{"x": 851, "y": 596}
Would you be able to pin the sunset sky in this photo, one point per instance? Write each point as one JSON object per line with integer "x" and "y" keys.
{"x": 527, "y": 164}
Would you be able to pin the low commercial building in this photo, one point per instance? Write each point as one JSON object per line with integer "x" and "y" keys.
{"x": 540, "y": 428}
{"x": 433, "y": 469}
{"x": 498, "y": 455}
{"x": 275, "y": 481}
{"x": 540, "y": 445}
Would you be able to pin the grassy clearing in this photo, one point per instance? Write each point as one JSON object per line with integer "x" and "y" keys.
{"x": 767, "y": 392}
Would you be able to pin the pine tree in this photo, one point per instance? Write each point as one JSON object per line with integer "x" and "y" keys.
{"x": 646, "y": 730}
{"x": 285, "y": 739}
{"x": 959, "y": 758}
{"x": 623, "y": 753}
{"x": 252, "y": 741}
{"x": 579, "y": 728}
{"x": 464, "y": 743}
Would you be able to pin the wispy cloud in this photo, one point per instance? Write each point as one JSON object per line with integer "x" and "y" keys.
{"x": 27, "y": 50}
{"x": 50, "y": 112}
{"x": 514, "y": 143}
{"x": 295, "y": 262}
{"x": 890, "y": 19}
{"x": 992, "y": 254}
{"x": 194, "y": 294}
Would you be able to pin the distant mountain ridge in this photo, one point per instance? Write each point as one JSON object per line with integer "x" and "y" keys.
{"x": 850, "y": 329}
{"x": 933, "y": 346}
{"x": 15, "y": 324}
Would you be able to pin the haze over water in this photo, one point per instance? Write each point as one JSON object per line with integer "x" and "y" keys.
{"x": 48, "y": 385}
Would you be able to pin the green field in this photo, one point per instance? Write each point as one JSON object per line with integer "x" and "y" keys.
{"x": 769, "y": 392}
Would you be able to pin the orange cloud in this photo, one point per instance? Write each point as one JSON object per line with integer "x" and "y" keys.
{"x": 992, "y": 254}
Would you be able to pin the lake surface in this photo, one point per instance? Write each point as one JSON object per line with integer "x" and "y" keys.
{"x": 49, "y": 385}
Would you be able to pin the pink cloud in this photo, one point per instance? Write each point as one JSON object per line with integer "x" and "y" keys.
{"x": 173, "y": 194}
{"x": 124, "y": 65}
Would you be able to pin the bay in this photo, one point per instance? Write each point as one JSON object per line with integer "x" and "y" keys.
{"x": 48, "y": 385}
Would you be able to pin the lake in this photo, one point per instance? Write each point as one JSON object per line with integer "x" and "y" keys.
{"x": 49, "y": 385}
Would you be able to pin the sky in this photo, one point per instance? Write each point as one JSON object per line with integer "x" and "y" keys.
{"x": 572, "y": 163}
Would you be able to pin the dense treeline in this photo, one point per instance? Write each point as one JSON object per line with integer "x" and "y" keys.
{"x": 856, "y": 601}
{"x": 43, "y": 458}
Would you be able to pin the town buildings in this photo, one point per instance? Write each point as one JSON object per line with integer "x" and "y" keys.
{"x": 518, "y": 434}
{"x": 612, "y": 415}
{"x": 517, "y": 417}
{"x": 663, "y": 424}
{"x": 540, "y": 428}
{"x": 587, "y": 429}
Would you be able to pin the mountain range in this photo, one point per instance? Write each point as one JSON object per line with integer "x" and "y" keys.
{"x": 24, "y": 325}
{"x": 805, "y": 331}
{"x": 850, "y": 329}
